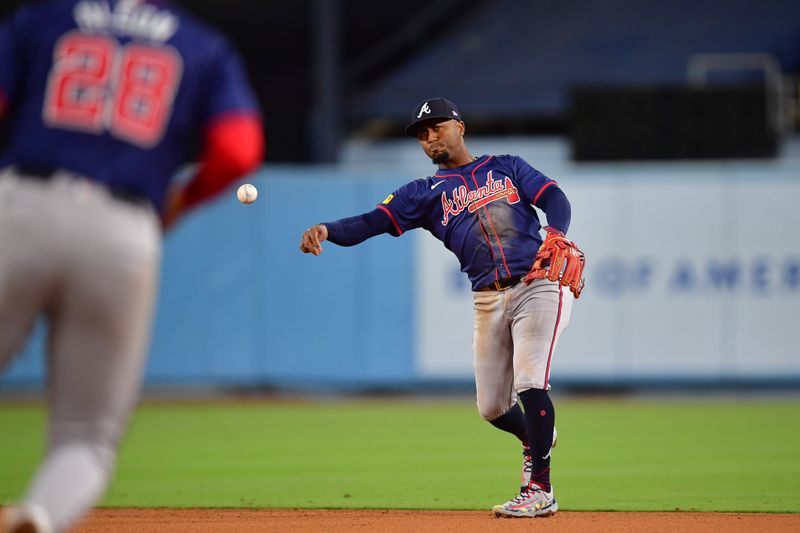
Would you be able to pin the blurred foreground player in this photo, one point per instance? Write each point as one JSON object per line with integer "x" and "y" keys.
{"x": 482, "y": 209}
{"x": 104, "y": 101}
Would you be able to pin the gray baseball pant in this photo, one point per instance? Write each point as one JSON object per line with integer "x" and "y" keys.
{"x": 515, "y": 337}
{"x": 88, "y": 263}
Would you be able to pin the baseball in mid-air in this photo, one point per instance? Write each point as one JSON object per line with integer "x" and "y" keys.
{"x": 247, "y": 193}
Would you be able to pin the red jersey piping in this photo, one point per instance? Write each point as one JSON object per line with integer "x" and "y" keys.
{"x": 555, "y": 334}
{"x": 394, "y": 220}
{"x": 538, "y": 194}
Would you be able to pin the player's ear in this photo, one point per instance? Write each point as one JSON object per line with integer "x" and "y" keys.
{"x": 462, "y": 127}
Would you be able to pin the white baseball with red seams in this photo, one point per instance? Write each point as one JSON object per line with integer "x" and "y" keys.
{"x": 247, "y": 193}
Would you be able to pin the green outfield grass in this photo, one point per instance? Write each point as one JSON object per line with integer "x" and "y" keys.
{"x": 611, "y": 455}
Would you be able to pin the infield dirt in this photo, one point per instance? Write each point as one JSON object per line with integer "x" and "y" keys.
{"x": 341, "y": 521}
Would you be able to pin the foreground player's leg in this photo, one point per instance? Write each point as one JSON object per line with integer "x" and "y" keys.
{"x": 99, "y": 333}
{"x": 23, "y": 289}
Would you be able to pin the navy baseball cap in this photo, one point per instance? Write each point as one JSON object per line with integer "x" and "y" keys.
{"x": 432, "y": 108}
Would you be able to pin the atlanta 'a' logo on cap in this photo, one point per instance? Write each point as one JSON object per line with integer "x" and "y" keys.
{"x": 426, "y": 109}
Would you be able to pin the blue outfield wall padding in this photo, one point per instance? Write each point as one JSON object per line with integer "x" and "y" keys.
{"x": 320, "y": 312}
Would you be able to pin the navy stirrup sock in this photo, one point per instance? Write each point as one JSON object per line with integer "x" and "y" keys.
{"x": 540, "y": 418}
{"x": 513, "y": 421}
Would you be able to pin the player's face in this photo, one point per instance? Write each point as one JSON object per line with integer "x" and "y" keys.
{"x": 441, "y": 140}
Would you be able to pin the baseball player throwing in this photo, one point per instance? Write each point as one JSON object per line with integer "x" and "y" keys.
{"x": 104, "y": 99}
{"x": 483, "y": 210}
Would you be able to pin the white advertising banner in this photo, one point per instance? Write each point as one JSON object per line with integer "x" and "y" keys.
{"x": 693, "y": 272}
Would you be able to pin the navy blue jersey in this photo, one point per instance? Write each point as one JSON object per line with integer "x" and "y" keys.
{"x": 118, "y": 90}
{"x": 483, "y": 212}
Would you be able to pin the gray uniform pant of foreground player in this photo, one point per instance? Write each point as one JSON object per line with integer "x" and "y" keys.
{"x": 515, "y": 337}
{"x": 88, "y": 263}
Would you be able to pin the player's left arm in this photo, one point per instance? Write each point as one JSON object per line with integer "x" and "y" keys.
{"x": 558, "y": 259}
{"x": 557, "y": 208}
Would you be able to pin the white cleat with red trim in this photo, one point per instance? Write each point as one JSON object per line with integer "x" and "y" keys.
{"x": 532, "y": 502}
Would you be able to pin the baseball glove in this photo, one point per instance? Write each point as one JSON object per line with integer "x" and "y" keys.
{"x": 558, "y": 259}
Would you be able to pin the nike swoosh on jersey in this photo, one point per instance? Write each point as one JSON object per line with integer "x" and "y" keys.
{"x": 437, "y": 184}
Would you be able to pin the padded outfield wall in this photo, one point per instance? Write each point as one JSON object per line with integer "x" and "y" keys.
{"x": 693, "y": 275}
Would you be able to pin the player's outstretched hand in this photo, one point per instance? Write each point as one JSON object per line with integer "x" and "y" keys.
{"x": 558, "y": 259}
{"x": 311, "y": 241}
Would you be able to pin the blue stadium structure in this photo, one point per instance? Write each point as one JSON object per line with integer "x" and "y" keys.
{"x": 514, "y": 57}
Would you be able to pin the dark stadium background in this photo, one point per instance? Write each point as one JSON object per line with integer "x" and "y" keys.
{"x": 326, "y": 70}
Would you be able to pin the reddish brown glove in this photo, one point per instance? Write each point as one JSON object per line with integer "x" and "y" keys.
{"x": 558, "y": 259}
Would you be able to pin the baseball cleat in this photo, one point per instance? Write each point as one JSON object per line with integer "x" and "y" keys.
{"x": 26, "y": 519}
{"x": 527, "y": 461}
{"x": 532, "y": 502}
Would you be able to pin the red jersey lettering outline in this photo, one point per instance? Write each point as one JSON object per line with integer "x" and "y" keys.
{"x": 464, "y": 198}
